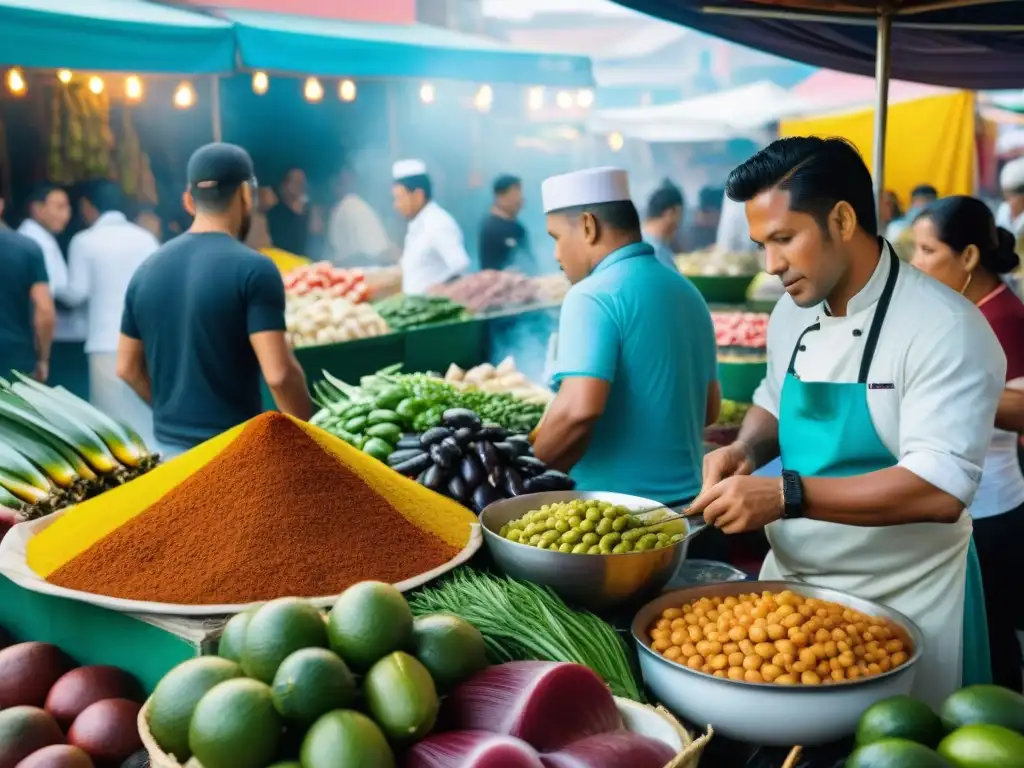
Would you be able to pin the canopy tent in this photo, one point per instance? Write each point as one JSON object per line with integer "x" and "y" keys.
{"x": 283, "y": 43}
{"x": 828, "y": 89}
{"x": 735, "y": 113}
{"x": 113, "y": 36}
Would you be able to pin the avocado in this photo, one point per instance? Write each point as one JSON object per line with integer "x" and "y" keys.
{"x": 370, "y": 620}
{"x": 232, "y": 639}
{"x": 401, "y": 697}
{"x": 450, "y": 648}
{"x": 900, "y": 717}
{"x": 983, "y": 746}
{"x": 312, "y": 682}
{"x": 23, "y": 731}
{"x": 277, "y": 630}
{"x": 235, "y": 725}
{"x": 991, "y": 704}
{"x": 896, "y": 753}
{"x": 344, "y": 737}
{"x": 176, "y": 696}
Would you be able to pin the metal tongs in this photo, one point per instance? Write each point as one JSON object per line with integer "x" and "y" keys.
{"x": 695, "y": 528}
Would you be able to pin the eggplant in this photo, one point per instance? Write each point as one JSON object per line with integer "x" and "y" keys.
{"x": 530, "y": 465}
{"x": 456, "y": 418}
{"x": 472, "y": 473}
{"x": 487, "y": 455}
{"x": 507, "y": 451}
{"x": 492, "y": 433}
{"x": 408, "y": 442}
{"x": 435, "y": 478}
{"x": 421, "y": 478}
{"x": 483, "y": 496}
{"x": 415, "y": 465}
{"x": 434, "y": 435}
{"x": 458, "y": 491}
{"x": 521, "y": 444}
{"x": 550, "y": 480}
{"x": 513, "y": 483}
{"x": 445, "y": 456}
{"x": 496, "y": 477}
{"x": 402, "y": 455}
{"x": 463, "y": 436}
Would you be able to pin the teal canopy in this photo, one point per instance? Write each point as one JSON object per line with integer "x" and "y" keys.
{"x": 296, "y": 44}
{"x": 113, "y": 35}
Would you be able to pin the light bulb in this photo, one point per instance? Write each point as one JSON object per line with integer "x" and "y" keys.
{"x": 260, "y": 83}
{"x": 535, "y": 99}
{"x": 347, "y": 90}
{"x": 184, "y": 96}
{"x": 615, "y": 141}
{"x": 313, "y": 91}
{"x": 427, "y": 93}
{"x": 64, "y": 75}
{"x": 484, "y": 98}
{"x": 15, "y": 82}
{"x": 585, "y": 98}
{"x": 96, "y": 85}
{"x": 564, "y": 99}
{"x": 133, "y": 88}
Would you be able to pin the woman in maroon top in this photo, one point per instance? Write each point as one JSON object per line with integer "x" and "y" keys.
{"x": 956, "y": 241}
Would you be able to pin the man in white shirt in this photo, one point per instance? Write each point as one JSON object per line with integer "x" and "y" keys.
{"x": 1011, "y": 213}
{"x": 880, "y": 397}
{"x": 355, "y": 233}
{"x": 49, "y": 212}
{"x": 101, "y": 262}
{"x": 733, "y": 232}
{"x": 434, "y": 251}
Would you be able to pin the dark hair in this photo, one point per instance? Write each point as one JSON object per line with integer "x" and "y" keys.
{"x": 215, "y": 200}
{"x": 924, "y": 190}
{"x": 894, "y": 201}
{"x": 41, "y": 191}
{"x": 664, "y": 199}
{"x": 621, "y": 215}
{"x": 818, "y": 174}
{"x": 505, "y": 182}
{"x": 710, "y": 198}
{"x": 104, "y": 195}
{"x": 961, "y": 221}
{"x": 420, "y": 182}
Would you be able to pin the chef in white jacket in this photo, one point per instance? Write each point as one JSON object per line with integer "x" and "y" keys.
{"x": 434, "y": 250}
{"x": 880, "y": 396}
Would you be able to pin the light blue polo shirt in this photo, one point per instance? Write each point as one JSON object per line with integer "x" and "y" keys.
{"x": 646, "y": 329}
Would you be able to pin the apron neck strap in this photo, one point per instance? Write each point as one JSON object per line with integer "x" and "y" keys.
{"x": 880, "y": 312}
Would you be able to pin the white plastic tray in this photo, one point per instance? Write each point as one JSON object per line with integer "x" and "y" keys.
{"x": 14, "y": 566}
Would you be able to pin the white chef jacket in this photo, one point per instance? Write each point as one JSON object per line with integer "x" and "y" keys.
{"x": 936, "y": 349}
{"x": 101, "y": 262}
{"x": 1006, "y": 221}
{"x": 71, "y": 323}
{"x": 434, "y": 250}
{"x": 356, "y": 230}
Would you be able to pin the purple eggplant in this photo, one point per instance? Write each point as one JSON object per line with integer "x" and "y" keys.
{"x": 513, "y": 483}
{"x": 472, "y": 472}
{"x": 487, "y": 455}
{"x": 483, "y": 496}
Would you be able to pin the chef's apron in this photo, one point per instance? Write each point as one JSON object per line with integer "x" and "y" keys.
{"x": 920, "y": 569}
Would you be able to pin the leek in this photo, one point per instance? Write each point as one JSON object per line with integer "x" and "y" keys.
{"x": 28, "y": 493}
{"x": 9, "y": 500}
{"x": 17, "y": 466}
{"x": 40, "y": 447}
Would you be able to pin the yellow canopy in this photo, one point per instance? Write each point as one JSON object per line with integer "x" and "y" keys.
{"x": 930, "y": 141}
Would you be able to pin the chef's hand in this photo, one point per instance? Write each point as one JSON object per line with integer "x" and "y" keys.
{"x": 740, "y": 504}
{"x": 726, "y": 462}
{"x": 42, "y": 371}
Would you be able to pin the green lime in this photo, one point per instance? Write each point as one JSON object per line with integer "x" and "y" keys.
{"x": 983, "y": 746}
{"x": 896, "y": 753}
{"x": 312, "y": 682}
{"x": 401, "y": 697}
{"x": 344, "y": 738}
{"x": 278, "y": 629}
{"x": 235, "y": 725}
{"x": 900, "y": 717}
{"x": 232, "y": 639}
{"x": 370, "y": 620}
{"x": 450, "y": 648}
{"x": 176, "y": 696}
{"x": 990, "y": 704}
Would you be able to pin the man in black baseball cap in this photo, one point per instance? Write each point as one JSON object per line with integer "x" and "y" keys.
{"x": 204, "y": 316}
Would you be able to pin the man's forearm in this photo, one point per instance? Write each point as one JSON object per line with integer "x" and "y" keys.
{"x": 44, "y": 323}
{"x": 1010, "y": 414}
{"x": 562, "y": 440}
{"x": 142, "y": 386}
{"x": 759, "y": 433}
{"x": 292, "y": 397}
{"x": 893, "y": 496}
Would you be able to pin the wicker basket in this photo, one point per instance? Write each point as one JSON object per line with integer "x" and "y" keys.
{"x": 689, "y": 757}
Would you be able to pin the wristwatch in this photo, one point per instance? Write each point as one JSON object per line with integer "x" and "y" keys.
{"x": 792, "y": 495}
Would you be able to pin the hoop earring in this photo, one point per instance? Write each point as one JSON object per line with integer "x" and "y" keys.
{"x": 964, "y": 289}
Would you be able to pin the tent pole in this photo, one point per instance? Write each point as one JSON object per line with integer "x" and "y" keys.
{"x": 218, "y": 132}
{"x": 883, "y": 65}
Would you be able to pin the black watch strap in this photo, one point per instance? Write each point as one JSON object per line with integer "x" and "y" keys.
{"x": 792, "y": 495}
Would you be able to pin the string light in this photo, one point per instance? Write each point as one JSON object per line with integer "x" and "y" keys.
{"x": 133, "y": 88}
{"x": 313, "y": 91}
{"x": 96, "y": 85}
{"x": 615, "y": 141}
{"x": 484, "y": 98}
{"x": 184, "y": 96}
{"x": 15, "y": 82}
{"x": 564, "y": 99}
{"x": 260, "y": 83}
{"x": 427, "y": 93}
{"x": 585, "y": 98}
{"x": 535, "y": 99}
{"x": 347, "y": 90}
{"x": 64, "y": 75}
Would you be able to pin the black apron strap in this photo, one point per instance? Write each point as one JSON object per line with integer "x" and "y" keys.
{"x": 876, "y": 322}
{"x": 791, "y": 370}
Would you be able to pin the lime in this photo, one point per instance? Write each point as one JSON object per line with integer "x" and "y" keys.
{"x": 450, "y": 648}
{"x": 235, "y": 725}
{"x": 990, "y": 704}
{"x": 983, "y": 746}
{"x": 370, "y": 620}
{"x": 896, "y": 753}
{"x": 232, "y": 639}
{"x": 312, "y": 682}
{"x": 278, "y": 629}
{"x": 899, "y": 717}
{"x": 343, "y": 738}
{"x": 401, "y": 696}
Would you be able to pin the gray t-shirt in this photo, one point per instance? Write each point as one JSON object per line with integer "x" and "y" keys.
{"x": 21, "y": 265}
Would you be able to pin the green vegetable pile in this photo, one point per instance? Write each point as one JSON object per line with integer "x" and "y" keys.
{"x": 403, "y": 312}
{"x": 731, "y": 414}
{"x": 591, "y": 527}
{"x": 526, "y": 622}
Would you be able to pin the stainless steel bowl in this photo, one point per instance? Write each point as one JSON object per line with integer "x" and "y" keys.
{"x": 597, "y": 582}
{"x": 764, "y": 713}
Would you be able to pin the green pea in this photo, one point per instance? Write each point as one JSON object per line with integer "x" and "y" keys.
{"x": 503, "y": 532}
{"x": 635, "y": 522}
{"x": 535, "y": 539}
{"x": 575, "y": 521}
{"x": 590, "y": 539}
{"x": 531, "y": 529}
{"x": 620, "y": 523}
{"x": 633, "y": 535}
{"x": 580, "y": 549}
{"x": 610, "y": 540}
{"x": 561, "y": 526}
{"x": 565, "y": 547}
{"x": 610, "y": 514}
{"x": 641, "y": 546}
{"x": 515, "y": 535}
{"x": 663, "y": 538}
{"x": 650, "y": 540}
{"x": 676, "y": 538}
{"x": 550, "y": 536}
{"x": 551, "y": 522}
{"x": 594, "y": 550}
{"x": 605, "y": 526}
{"x": 572, "y": 536}
{"x": 593, "y": 514}
{"x": 621, "y": 548}
{"x": 587, "y": 526}
{"x": 542, "y": 545}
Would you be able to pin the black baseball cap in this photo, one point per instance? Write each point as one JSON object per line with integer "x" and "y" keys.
{"x": 218, "y": 169}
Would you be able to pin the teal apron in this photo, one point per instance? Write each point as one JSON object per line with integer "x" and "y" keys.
{"x": 928, "y": 571}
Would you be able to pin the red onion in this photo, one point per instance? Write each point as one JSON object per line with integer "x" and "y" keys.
{"x": 471, "y": 749}
{"x": 612, "y": 750}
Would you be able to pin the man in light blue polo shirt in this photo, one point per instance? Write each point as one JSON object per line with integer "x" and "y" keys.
{"x": 636, "y": 361}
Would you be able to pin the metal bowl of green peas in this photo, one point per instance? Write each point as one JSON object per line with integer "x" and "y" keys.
{"x": 593, "y": 549}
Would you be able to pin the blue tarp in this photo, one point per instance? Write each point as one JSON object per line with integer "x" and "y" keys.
{"x": 113, "y": 35}
{"x": 297, "y": 44}
{"x": 977, "y": 46}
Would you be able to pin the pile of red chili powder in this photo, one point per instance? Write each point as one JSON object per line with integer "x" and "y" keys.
{"x": 273, "y": 514}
